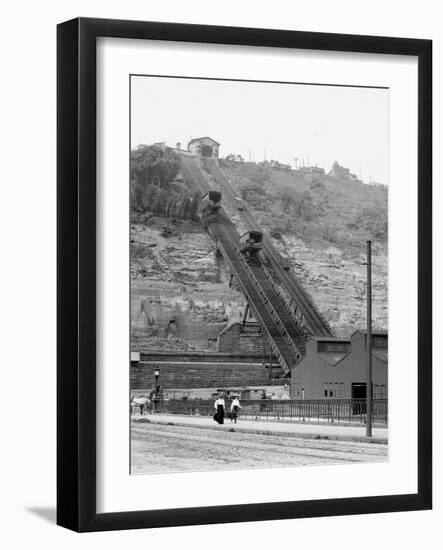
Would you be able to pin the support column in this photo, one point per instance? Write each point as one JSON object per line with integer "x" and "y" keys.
{"x": 369, "y": 343}
{"x": 245, "y": 315}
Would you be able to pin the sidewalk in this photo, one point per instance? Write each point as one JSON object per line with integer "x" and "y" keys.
{"x": 312, "y": 431}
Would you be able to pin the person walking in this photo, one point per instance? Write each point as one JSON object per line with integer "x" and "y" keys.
{"x": 235, "y": 407}
{"x": 219, "y": 407}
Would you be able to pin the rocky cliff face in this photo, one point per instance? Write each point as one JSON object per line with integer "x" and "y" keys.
{"x": 336, "y": 281}
{"x": 180, "y": 295}
{"x": 321, "y": 225}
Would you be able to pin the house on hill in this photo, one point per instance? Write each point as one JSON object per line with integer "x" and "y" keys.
{"x": 204, "y": 147}
{"x": 341, "y": 172}
{"x": 335, "y": 368}
{"x": 312, "y": 170}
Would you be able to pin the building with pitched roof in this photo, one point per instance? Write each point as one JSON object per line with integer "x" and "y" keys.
{"x": 335, "y": 368}
{"x": 341, "y": 172}
{"x": 204, "y": 147}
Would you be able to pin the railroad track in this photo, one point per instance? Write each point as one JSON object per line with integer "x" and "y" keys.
{"x": 312, "y": 319}
{"x": 286, "y": 337}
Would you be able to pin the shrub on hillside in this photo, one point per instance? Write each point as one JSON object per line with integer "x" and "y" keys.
{"x": 153, "y": 189}
{"x": 153, "y": 168}
{"x": 374, "y": 220}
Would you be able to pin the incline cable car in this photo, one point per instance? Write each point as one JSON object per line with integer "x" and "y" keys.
{"x": 250, "y": 245}
{"x": 209, "y": 206}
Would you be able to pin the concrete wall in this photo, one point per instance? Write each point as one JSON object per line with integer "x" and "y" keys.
{"x": 313, "y": 372}
{"x": 175, "y": 375}
{"x": 242, "y": 339}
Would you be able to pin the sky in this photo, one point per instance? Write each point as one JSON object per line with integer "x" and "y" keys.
{"x": 317, "y": 124}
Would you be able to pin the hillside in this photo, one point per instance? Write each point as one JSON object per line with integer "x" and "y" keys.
{"x": 321, "y": 210}
{"x": 321, "y": 225}
{"x": 180, "y": 294}
{"x": 180, "y": 298}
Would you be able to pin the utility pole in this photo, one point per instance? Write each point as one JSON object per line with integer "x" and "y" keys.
{"x": 369, "y": 342}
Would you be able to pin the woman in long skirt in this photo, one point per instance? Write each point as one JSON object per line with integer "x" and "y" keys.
{"x": 235, "y": 407}
{"x": 219, "y": 407}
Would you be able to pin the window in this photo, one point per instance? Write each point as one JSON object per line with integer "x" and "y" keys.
{"x": 334, "y": 389}
{"x": 333, "y": 347}
{"x": 380, "y": 341}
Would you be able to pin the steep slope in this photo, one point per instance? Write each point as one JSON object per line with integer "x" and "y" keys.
{"x": 321, "y": 224}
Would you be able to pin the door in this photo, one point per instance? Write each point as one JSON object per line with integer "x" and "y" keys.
{"x": 206, "y": 151}
{"x": 358, "y": 393}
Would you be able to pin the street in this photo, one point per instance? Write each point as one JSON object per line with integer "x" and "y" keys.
{"x": 158, "y": 448}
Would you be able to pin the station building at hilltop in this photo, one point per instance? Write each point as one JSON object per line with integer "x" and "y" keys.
{"x": 335, "y": 368}
{"x": 204, "y": 147}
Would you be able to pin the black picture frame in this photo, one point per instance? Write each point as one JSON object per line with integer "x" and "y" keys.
{"x": 76, "y": 264}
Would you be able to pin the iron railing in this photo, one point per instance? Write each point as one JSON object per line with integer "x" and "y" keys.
{"x": 348, "y": 411}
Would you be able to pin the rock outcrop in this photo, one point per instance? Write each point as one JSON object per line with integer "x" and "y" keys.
{"x": 180, "y": 295}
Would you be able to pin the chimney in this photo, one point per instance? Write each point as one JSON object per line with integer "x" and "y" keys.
{"x": 178, "y": 145}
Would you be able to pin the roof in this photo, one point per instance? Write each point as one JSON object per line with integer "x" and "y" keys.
{"x": 333, "y": 358}
{"x": 203, "y": 137}
{"x": 329, "y": 339}
{"x": 374, "y": 332}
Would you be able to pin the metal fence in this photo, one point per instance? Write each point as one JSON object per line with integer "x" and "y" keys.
{"x": 309, "y": 410}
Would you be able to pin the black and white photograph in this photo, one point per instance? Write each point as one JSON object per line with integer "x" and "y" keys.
{"x": 224, "y": 219}
{"x": 259, "y": 308}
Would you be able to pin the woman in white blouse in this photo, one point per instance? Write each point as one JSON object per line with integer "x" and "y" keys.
{"x": 235, "y": 407}
{"x": 219, "y": 407}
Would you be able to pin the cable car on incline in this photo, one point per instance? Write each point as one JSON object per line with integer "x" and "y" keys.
{"x": 209, "y": 206}
{"x": 239, "y": 204}
{"x": 250, "y": 245}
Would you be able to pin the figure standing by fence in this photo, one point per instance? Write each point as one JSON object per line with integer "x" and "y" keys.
{"x": 235, "y": 408}
{"x": 219, "y": 407}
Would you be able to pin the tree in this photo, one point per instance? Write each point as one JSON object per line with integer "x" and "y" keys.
{"x": 374, "y": 219}
{"x": 152, "y": 167}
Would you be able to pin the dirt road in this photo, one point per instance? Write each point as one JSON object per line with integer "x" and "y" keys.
{"x": 157, "y": 448}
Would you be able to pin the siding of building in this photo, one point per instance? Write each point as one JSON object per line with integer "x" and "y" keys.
{"x": 331, "y": 374}
{"x": 195, "y": 146}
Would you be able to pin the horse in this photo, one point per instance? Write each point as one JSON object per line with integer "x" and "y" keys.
{"x": 143, "y": 402}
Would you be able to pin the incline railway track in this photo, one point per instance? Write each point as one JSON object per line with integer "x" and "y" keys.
{"x": 284, "y": 334}
{"x": 312, "y": 319}
{"x": 283, "y": 347}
